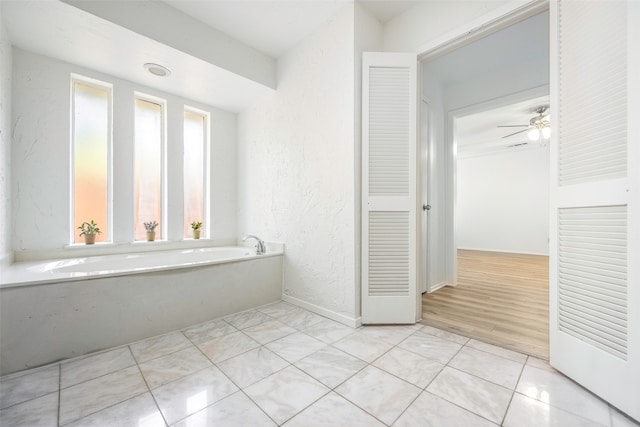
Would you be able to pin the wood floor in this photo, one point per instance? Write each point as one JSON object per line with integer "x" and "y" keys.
{"x": 500, "y": 298}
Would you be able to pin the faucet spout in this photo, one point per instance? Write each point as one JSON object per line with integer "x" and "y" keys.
{"x": 260, "y": 247}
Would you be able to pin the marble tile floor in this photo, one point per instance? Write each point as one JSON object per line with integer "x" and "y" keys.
{"x": 282, "y": 365}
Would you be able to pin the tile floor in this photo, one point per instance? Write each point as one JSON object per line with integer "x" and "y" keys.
{"x": 281, "y": 365}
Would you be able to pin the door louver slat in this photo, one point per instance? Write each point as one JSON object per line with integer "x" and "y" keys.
{"x": 592, "y": 290}
{"x": 593, "y": 135}
{"x": 389, "y": 131}
{"x": 388, "y": 253}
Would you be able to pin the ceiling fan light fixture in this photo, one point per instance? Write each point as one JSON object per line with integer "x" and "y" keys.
{"x": 546, "y": 132}
{"x": 534, "y": 134}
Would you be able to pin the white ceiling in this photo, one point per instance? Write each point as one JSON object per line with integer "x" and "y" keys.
{"x": 523, "y": 46}
{"x": 62, "y": 31}
{"x": 479, "y": 133}
{"x": 524, "y": 42}
{"x": 275, "y": 26}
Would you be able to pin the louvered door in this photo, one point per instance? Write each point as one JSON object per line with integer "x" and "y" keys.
{"x": 389, "y": 188}
{"x": 595, "y": 195}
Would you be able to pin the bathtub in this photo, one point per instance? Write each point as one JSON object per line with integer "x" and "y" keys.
{"x": 57, "y": 309}
{"x": 48, "y": 271}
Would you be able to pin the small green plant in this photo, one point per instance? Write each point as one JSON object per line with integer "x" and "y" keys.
{"x": 89, "y": 228}
{"x": 151, "y": 226}
{"x": 196, "y": 225}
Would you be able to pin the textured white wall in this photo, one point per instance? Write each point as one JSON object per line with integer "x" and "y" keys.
{"x": 6, "y": 56}
{"x": 296, "y": 160}
{"x": 503, "y": 202}
{"x": 40, "y": 156}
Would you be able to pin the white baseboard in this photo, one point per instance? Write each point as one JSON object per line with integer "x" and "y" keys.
{"x": 503, "y": 251}
{"x": 438, "y": 286}
{"x": 340, "y": 318}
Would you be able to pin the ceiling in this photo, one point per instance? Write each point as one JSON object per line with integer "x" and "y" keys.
{"x": 59, "y": 30}
{"x": 524, "y": 42}
{"x": 479, "y": 133}
{"x": 510, "y": 52}
{"x": 64, "y": 32}
{"x": 275, "y": 26}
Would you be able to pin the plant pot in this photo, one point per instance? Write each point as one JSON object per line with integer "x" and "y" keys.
{"x": 89, "y": 239}
{"x": 196, "y": 234}
{"x": 151, "y": 236}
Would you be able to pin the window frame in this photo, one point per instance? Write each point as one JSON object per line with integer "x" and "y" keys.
{"x": 164, "y": 205}
{"x": 99, "y": 84}
{"x": 206, "y": 168}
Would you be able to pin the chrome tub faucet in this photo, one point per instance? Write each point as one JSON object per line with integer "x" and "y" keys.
{"x": 260, "y": 247}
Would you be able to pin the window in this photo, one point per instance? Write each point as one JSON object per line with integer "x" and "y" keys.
{"x": 195, "y": 168}
{"x": 91, "y": 150}
{"x": 147, "y": 162}
{"x": 149, "y": 165}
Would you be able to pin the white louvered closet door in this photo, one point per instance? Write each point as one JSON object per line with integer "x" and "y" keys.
{"x": 595, "y": 198}
{"x": 389, "y": 188}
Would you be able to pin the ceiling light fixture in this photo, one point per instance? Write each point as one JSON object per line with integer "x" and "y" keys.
{"x": 157, "y": 69}
{"x": 538, "y": 129}
{"x": 539, "y": 126}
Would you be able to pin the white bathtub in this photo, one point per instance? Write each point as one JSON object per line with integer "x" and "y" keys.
{"x": 58, "y": 309}
{"x": 162, "y": 260}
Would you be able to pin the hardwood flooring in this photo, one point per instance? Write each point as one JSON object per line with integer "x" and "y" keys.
{"x": 501, "y": 298}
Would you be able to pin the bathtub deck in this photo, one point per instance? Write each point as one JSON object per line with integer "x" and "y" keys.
{"x": 280, "y": 364}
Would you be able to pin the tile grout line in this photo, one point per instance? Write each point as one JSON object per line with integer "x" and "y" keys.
{"x": 513, "y": 393}
{"x": 368, "y": 364}
{"x": 59, "y": 391}
{"x": 240, "y": 389}
{"x": 148, "y": 388}
{"x": 117, "y": 403}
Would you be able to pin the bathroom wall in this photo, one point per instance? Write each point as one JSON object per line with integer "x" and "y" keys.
{"x": 296, "y": 156}
{"x": 40, "y": 157}
{"x": 6, "y": 59}
{"x": 503, "y": 202}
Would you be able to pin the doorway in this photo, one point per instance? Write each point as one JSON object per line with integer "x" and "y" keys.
{"x": 489, "y": 78}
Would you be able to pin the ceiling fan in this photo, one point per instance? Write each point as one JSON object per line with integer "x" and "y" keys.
{"x": 538, "y": 125}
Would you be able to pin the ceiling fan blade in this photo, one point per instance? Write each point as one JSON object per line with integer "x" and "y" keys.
{"x": 511, "y": 126}
{"x": 515, "y": 133}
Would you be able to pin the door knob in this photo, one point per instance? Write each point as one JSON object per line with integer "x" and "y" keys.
{"x": 426, "y": 207}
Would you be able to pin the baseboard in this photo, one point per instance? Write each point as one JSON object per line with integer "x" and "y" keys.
{"x": 438, "y": 286}
{"x": 502, "y": 251}
{"x": 340, "y": 318}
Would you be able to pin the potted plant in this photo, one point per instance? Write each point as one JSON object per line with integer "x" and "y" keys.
{"x": 151, "y": 230}
{"x": 89, "y": 231}
{"x": 197, "y": 228}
